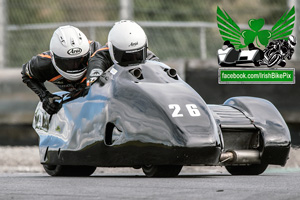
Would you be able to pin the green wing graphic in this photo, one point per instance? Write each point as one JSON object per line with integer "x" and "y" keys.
{"x": 284, "y": 26}
{"x": 228, "y": 29}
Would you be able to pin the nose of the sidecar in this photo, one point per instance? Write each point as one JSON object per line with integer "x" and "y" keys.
{"x": 162, "y": 120}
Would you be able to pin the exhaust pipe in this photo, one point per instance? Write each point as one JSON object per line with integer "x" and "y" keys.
{"x": 240, "y": 157}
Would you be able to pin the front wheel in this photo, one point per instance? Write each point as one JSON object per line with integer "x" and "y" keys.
{"x": 253, "y": 169}
{"x": 162, "y": 170}
{"x": 68, "y": 170}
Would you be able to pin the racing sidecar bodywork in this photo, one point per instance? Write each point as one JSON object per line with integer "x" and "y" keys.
{"x": 146, "y": 116}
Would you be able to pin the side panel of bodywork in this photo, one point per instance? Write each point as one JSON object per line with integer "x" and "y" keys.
{"x": 75, "y": 126}
{"x": 139, "y": 112}
{"x": 268, "y": 120}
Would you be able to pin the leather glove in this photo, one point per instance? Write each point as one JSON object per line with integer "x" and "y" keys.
{"x": 49, "y": 104}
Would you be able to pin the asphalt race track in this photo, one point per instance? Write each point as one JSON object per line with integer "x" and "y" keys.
{"x": 270, "y": 185}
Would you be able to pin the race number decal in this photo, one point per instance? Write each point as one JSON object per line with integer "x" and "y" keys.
{"x": 176, "y": 111}
{"x": 191, "y": 108}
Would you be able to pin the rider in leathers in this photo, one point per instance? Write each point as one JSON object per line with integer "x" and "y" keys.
{"x": 75, "y": 73}
{"x": 65, "y": 65}
{"x": 127, "y": 45}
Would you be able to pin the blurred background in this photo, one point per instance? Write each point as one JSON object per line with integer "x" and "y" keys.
{"x": 182, "y": 33}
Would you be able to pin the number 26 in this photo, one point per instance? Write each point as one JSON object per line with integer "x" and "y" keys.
{"x": 192, "y": 109}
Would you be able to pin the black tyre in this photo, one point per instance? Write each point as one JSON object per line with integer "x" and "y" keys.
{"x": 162, "y": 170}
{"x": 65, "y": 170}
{"x": 254, "y": 169}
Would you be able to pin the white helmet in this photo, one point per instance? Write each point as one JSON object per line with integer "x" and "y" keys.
{"x": 127, "y": 43}
{"x": 70, "y": 51}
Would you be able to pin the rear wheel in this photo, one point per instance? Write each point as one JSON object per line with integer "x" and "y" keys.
{"x": 162, "y": 170}
{"x": 68, "y": 170}
{"x": 253, "y": 169}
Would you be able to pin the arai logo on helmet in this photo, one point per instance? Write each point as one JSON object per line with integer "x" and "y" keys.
{"x": 133, "y": 44}
{"x": 74, "y": 51}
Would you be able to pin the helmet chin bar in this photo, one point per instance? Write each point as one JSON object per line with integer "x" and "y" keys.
{"x": 69, "y": 76}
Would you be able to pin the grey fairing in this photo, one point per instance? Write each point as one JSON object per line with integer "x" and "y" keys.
{"x": 138, "y": 115}
{"x": 274, "y": 130}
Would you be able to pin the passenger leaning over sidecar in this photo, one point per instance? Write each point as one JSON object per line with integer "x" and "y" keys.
{"x": 65, "y": 65}
{"x": 127, "y": 45}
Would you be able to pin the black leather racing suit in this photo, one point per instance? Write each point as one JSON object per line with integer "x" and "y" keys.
{"x": 100, "y": 61}
{"x": 40, "y": 69}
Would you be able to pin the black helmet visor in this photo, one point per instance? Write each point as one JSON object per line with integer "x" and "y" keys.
{"x": 72, "y": 65}
{"x": 132, "y": 57}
